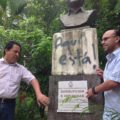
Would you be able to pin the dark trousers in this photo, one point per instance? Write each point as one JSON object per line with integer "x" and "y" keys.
{"x": 7, "y": 110}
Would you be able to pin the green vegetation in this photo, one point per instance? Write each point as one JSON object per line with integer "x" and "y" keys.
{"x": 32, "y": 23}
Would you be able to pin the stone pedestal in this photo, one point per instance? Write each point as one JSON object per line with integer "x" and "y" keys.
{"x": 75, "y": 58}
{"x": 75, "y": 51}
{"x": 95, "y": 103}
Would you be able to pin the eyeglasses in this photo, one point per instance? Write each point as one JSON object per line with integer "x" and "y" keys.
{"x": 106, "y": 38}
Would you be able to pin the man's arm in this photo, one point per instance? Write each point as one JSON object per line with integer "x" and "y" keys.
{"x": 41, "y": 98}
{"x": 107, "y": 85}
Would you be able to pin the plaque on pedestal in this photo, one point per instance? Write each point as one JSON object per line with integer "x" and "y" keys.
{"x": 72, "y": 96}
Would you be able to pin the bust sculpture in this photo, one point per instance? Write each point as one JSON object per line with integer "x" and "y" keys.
{"x": 77, "y": 16}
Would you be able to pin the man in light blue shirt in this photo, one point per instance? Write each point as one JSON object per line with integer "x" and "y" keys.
{"x": 110, "y": 76}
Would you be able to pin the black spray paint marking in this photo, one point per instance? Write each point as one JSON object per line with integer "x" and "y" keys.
{"x": 94, "y": 51}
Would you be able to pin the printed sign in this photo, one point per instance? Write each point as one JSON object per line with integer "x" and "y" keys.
{"x": 72, "y": 96}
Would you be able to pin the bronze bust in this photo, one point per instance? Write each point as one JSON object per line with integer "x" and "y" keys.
{"x": 77, "y": 16}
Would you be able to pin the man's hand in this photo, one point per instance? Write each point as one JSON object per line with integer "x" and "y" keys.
{"x": 89, "y": 93}
{"x": 42, "y": 99}
{"x": 99, "y": 72}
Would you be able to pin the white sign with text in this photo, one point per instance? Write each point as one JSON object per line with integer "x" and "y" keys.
{"x": 72, "y": 96}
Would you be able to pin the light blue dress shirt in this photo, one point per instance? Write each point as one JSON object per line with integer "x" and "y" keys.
{"x": 112, "y": 97}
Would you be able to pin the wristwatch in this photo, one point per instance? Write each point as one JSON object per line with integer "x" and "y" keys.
{"x": 93, "y": 91}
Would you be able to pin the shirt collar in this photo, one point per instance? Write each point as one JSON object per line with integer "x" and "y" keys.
{"x": 4, "y": 61}
{"x": 113, "y": 54}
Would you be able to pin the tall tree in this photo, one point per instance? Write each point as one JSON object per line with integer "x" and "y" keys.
{"x": 9, "y": 10}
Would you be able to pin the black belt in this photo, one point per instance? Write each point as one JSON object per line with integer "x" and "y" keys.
{"x": 7, "y": 100}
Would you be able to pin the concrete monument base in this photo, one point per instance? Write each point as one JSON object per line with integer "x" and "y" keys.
{"x": 95, "y": 103}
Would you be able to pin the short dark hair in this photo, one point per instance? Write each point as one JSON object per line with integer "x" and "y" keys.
{"x": 10, "y": 44}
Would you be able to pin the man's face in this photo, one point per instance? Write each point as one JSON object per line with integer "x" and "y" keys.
{"x": 109, "y": 41}
{"x": 13, "y": 54}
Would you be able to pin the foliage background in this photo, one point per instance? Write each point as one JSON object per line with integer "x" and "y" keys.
{"x": 32, "y": 23}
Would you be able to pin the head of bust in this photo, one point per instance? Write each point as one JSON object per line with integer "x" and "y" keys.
{"x": 75, "y": 4}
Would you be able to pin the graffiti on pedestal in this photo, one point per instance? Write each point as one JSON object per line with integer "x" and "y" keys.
{"x": 73, "y": 57}
{"x": 75, "y": 52}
